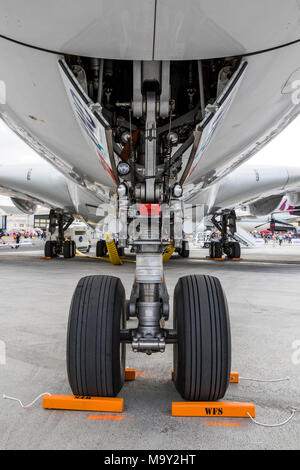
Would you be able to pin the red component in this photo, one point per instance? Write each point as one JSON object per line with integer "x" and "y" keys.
{"x": 150, "y": 209}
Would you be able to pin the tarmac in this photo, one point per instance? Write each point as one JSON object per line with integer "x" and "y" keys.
{"x": 264, "y": 299}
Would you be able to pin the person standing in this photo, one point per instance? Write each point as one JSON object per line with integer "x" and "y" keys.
{"x": 18, "y": 236}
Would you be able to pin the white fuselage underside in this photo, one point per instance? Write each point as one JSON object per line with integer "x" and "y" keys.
{"x": 34, "y": 102}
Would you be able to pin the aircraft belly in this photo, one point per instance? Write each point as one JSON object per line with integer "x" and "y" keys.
{"x": 152, "y": 29}
{"x": 114, "y": 29}
{"x": 246, "y": 183}
{"x": 38, "y": 108}
{"x": 205, "y": 29}
{"x": 261, "y": 108}
{"x": 41, "y": 182}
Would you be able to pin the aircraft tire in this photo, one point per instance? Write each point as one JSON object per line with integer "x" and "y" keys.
{"x": 69, "y": 249}
{"x": 49, "y": 249}
{"x": 95, "y": 356}
{"x": 101, "y": 249}
{"x": 234, "y": 250}
{"x": 73, "y": 248}
{"x": 121, "y": 251}
{"x": 215, "y": 250}
{"x": 184, "y": 252}
{"x": 202, "y": 355}
{"x": 237, "y": 250}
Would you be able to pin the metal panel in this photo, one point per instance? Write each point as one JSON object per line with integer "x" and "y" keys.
{"x": 115, "y": 29}
{"x": 119, "y": 29}
{"x": 38, "y": 108}
{"x": 91, "y": 122}
{"x": 258, "y": 112}
{"x": 200, "y": 29}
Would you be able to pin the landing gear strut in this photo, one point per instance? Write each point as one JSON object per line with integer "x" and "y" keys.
{"x": 150, "y": 204}
{"x": 59, "y": 221}
{"x": 227, "y": 226}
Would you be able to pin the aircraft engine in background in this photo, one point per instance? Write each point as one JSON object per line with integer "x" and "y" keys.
{"x": 27, "y": 207}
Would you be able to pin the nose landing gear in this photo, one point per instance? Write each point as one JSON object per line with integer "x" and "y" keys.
{"x": 97, "y": 333}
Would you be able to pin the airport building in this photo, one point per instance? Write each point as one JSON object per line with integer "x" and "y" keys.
{"x": 12, "y": 218}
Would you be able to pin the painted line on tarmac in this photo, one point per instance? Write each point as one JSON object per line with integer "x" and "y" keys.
{"x": 114, "y": 418}
{"x": 224, "y": 424}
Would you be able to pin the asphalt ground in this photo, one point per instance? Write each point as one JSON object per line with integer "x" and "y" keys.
{"x": 263, "y": 296}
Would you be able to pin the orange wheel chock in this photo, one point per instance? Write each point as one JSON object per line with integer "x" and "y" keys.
{"x": 213, "y": 409}
{"x": 130, "y": 374}
{"x": 234, "y": 377}
{"x": 71, "y": 402}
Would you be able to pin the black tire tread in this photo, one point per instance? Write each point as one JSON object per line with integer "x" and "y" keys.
{"x": 49, "y": 249}
{"x": 202, "y": 316}
{"x": 94, "y": 337}
{"x": 101, "y": 249}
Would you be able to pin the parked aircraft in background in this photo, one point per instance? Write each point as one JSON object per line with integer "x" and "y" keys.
{"x": 284, "y": 218}
{"x": 261, "y": 188}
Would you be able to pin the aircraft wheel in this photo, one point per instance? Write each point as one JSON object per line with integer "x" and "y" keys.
{"x": 215, "y": 250}
{"x": 69, "y": 249}
{"x": 202, "y": 355}
{"x": 121, "y": 251}
{"x": 101, "y": 249}
{"x": 212, "y": 250}
{"x": 184, "y": 251}
{"x": 234, "y": 250}
{"x": 218, "y": 250}
{"x": 50, "y": 249}
{"x": 95, "y": 356}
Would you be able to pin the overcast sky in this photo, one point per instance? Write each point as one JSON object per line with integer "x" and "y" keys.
{"x": 12, "y": 146}
{"x": 283, "y": 150}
